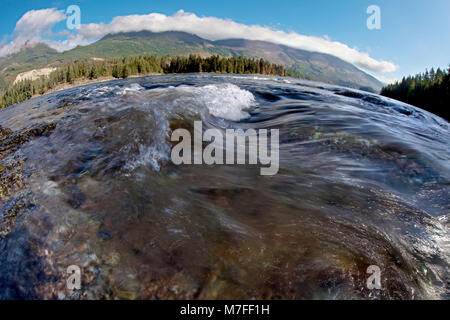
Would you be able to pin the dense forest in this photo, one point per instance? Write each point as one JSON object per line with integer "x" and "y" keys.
{"x": 429, "y": 91}
{"x": 127, "y": 66}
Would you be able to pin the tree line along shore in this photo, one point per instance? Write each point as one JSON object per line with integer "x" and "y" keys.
{"x": 131, "y": 66}
{"x": 429, "y": 90}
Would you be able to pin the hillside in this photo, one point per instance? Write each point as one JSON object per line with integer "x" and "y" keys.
{"x": 29, "y": 58}
{"x": 303, "y": 64}
{"x": 69, "y": 74}
{"x": 146, "y": 43}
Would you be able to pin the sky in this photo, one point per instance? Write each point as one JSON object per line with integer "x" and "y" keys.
{"x": 414, "y": 34}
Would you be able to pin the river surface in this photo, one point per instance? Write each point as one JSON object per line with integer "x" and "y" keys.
{"x": 87, "y": 180}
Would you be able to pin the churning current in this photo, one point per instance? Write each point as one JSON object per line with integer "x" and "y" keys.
{"x": 87, "y": 180}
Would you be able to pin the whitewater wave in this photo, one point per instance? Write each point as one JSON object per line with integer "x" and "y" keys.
{"x": 158, "y": 107}
{"x": 363, "y": 181}
{"x": 226, "y": 101}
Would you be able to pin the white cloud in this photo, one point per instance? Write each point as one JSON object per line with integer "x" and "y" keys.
{"x": 210, "y": 28}
{"x": 387, "y": 80}
{"x": 31, "y": 27}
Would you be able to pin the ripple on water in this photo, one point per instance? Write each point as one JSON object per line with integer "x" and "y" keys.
{"x": 87, "y": 180}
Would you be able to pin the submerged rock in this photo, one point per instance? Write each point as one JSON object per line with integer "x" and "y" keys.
{"x": 86, "y": 180}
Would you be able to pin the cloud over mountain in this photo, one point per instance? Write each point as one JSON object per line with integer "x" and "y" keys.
{"x": 31, "y": 27}
{"x": 34, "y": 23}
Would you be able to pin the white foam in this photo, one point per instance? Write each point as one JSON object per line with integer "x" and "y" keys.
{"x": 118, "y": 90}
{"x": 226, "y": 100}
{"x": 148, "y": 156}
{"x": 161, "y": 105}
{"x": 51, "y": 188}
{"x": 134, "y": 87}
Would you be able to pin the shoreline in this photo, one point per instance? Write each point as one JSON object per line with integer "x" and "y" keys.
{"x": 83, "y": 82}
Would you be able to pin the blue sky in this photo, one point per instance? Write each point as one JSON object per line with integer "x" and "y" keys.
{"x": 414, "y": 34}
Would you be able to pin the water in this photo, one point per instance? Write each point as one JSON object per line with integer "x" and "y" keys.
{"x": 363, "y": 180}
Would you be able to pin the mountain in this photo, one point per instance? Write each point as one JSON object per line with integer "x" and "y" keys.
{"x": 28, "y": 58}
{"x": 304, "y": 64}
{"x": 147, "y": 43}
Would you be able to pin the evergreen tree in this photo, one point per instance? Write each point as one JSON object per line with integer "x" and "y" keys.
{"x": 126, "y": 66}
{"x": 125, "y": 71}
{"x": 429, "y": 90}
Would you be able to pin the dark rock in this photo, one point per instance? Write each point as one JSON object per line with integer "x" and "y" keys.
{"x": 104, "y": 235}
{"x": 77, "y": 197}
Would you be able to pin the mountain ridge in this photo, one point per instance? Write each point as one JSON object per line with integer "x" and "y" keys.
{"x": 302, "y": 64}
